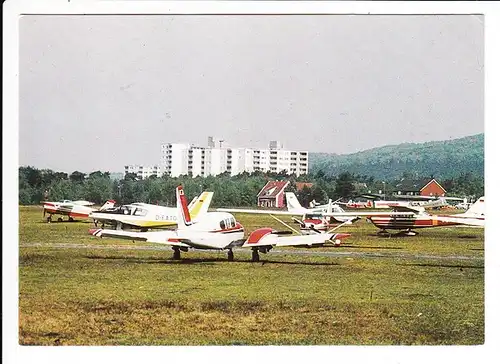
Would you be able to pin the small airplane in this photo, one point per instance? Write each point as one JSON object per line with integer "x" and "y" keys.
{"x": 264, "y": 239}
{"x": 474, "y": 216}
{"x": 376, "y": 202}
{"x": 72, "y": 209}
{"x": 315, "y": 220}
{"x": 144, "y": 216}
{"x": 212, "y": 231}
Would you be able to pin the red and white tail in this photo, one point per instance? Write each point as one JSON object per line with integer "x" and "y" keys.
{"x": 107, "y": 205}
{"x": 183, "y": 215}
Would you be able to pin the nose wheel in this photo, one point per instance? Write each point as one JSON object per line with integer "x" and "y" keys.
{"x": 230, "y": 255}
{"x": 255, "y": 255}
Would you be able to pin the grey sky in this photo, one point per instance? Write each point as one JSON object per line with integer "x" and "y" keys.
{"x": 99, "y": 92}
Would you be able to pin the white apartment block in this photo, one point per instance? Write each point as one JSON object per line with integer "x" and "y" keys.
{"x": 182, "y": 158}
{"x": 143, "y": 171}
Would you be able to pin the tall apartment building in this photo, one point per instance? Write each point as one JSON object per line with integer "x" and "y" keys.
{"x": 183, "y": 158}
{"x": 143, "y": 171}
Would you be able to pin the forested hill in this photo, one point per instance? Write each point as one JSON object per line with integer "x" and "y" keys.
{"x": 441, "y": 159}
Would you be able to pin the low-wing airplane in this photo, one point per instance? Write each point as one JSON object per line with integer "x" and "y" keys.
{"x": 144, "y": 216}
{"x": 72, "y": 209}
{"x": 474, "y": 216}
{"x": 264, "y": 239}
{"x": 212, "y": 231}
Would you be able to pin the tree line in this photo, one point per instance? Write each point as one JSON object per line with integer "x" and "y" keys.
{"x": 241, "y": 190}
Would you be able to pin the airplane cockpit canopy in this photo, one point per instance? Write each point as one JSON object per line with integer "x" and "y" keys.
{"x": 228, "y": 223}
{"x": 313, "y": 216}
{"x": 131, "y": 210}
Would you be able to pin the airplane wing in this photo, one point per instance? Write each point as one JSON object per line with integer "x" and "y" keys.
{"x": 268, "y": 237}
{"x": 410, "y": 209}
{"x": 311, "y": 240}
{"x": 264, "y": 212}
{"x": 407, "y": 212}
{"x": 83, "y": 203}
{"x": 159, "y": 237}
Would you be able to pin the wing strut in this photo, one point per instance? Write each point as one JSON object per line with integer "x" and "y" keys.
{"x": 345, "y": 222}
{"x": 288, "y": 226}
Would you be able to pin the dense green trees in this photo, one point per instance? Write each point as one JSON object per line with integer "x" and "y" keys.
{"x": 442, "y": 159}
{"x": 241, "y": 190}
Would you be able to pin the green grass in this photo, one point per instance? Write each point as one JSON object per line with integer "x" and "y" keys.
{"x": 96, "y": 296}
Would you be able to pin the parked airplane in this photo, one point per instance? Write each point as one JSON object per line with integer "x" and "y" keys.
{"x": 420, "y": 219}
{"x": 72, "y": 209}
{"x": 313, "y": 219}
{"x": 144, "y": 216}
{"x": 212, "y": 230}
{"x": 264, "y": 239}
{"x": 376, "y": 201}
{"x": 316, "y": 220}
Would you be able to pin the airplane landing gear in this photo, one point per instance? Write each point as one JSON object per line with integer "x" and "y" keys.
{"x": 59, "y": 219}
{"x": 410, "y": 233}
{"x": 255, "y": 255}
{"x": 70, "y": 219}
{"x": 230, "y": 255}
{"x": 49, "y": 219}
{"x": 177, "y": 254}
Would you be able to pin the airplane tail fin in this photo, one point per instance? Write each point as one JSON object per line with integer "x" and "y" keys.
{"x": 193, "y": 201}
{"x": 107, "y": 205}
{"x": 183, "y": 215}
{"x": 477, "y": 209}
{"x": 292, "y": 203}
{"x": 200, "y": 206}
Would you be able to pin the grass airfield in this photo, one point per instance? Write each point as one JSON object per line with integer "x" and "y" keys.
{"x": 76, "y": 289}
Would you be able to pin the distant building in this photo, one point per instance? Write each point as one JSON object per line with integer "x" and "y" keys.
{"x": 272, "y": 194}
{"x": 184, "y": 158}
{"x": 420, "y": 187}
{"x": 143, "y": 171}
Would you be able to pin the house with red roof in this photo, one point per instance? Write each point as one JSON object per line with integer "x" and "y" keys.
{"x": 273, "y": 194}
{"x": 420, "y": 187}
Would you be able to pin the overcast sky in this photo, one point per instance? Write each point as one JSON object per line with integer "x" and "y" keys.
{"x": 100, "y": 92}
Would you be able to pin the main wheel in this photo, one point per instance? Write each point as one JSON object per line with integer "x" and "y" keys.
{"x": 177, "y": 254}
{"x": 255, "y": 255}
{"x": 70, "y": 219}
{"x": 49, "y": 219}
{"x": 59, "y": 219}
{"x": 230, "y": 255}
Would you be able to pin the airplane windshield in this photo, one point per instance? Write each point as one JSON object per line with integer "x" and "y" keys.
{"x": 313, "y": 216}
{"x": 228, "y": 223}
{"x": 140, "y": 212}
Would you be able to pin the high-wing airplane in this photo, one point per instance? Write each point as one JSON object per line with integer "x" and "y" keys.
{"x": 376, "y": 202}
{"x": 213, "y": 230}
{"x": 315, "y": 220}
{"x": 72, "y": 209}
{"x": 474, "y": 216}
{"x": 145, "y": 216}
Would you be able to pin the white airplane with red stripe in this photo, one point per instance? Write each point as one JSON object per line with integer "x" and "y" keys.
{"x": 72, "y": 209}
{"x": 474, "y": 216}
{"x": 213, "y": 231}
